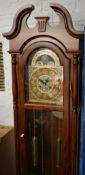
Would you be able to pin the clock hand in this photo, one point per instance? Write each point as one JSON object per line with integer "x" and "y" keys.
{"x": 44, "y": 81}
{"x": 41, "y": 81}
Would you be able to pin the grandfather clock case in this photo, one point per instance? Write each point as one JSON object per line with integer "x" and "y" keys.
{"x": 46, "y": 78}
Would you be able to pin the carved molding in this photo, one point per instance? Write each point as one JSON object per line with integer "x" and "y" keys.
{"x": 13, "y": 58}
{"x": 17, "y": 23}
{"x": 14, "y": 104}
{"x": 67, "y": 18}
{"x": 76, "y": 61}
{"x": 75, "y": 109}
{"x": 42, "y": 22}
{"x": 25, "y": 12}
{"x": 76, "y": 58}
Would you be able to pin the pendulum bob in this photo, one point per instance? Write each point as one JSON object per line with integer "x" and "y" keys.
{"x": 58, "y": 152}
{"x": 34, "y": 151}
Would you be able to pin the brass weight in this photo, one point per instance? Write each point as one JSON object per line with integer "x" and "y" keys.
{"x": 58, "y": 152}
{"x": 35, "y": 151}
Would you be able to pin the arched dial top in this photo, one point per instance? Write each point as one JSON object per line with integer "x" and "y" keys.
{"x": 45, "y": 57}
{"x": 45, "y": 77}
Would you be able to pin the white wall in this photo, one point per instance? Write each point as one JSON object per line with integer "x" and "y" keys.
{"x": 8, "y": 8}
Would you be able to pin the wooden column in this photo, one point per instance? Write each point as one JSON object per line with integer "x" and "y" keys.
{"x": 74, "y": 113}
{"x": 15, "y": 107}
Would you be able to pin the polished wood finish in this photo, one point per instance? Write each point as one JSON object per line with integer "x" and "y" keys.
{"x": 65, "y": 41}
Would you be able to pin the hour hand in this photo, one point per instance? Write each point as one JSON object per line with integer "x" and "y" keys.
{"x": 41, "y": 81}
{"x": 44, "y": 81}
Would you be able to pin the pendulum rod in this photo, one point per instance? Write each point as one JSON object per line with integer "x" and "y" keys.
{"x": 58, "y": 146}
{"x": 34, "y": 144}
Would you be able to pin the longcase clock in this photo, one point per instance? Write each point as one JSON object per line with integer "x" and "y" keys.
{"x": 46, "y": 71}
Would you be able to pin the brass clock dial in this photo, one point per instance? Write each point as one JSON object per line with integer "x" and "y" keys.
{"x": 46, "y": 78}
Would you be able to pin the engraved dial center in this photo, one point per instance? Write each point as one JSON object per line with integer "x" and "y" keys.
{"x": 45, "y": 83}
